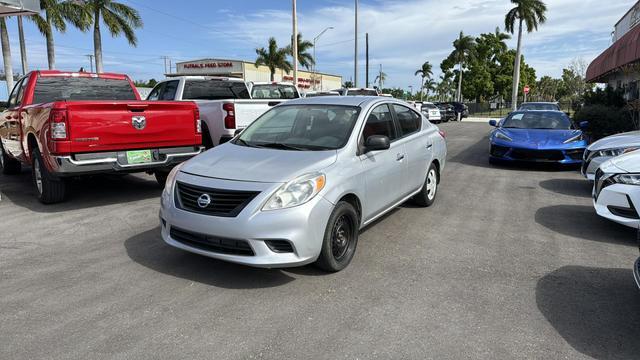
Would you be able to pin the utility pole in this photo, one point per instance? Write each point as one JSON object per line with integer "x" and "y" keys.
{"x": 23, "y": 48}
{"x": 367, "y": 65}
{"x": 355, "y": 54}
{"x": 294, "y": 45}
{"x": 90, "y": 56}
{"x": 166, "y": 60}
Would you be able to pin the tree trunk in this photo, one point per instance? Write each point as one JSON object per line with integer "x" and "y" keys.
{"x": 51, "y": 52}
{"x": 6, "y": 55}
{"x": 459, "y": 96}
{"x": 421, "y": 88}
{"x": 97, "y": 41}
{"x": 516, "y": 71}
{"x": 23, "y": 48}
{"x": 273, "y": 76}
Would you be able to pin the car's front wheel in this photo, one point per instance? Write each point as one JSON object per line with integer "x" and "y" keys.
{"x": 427, "y": 195}
{"x": 340, "y": 238}
{"x": 49, "y": 190}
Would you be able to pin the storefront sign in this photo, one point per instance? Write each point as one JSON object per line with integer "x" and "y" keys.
{"x": 209, "y": 66}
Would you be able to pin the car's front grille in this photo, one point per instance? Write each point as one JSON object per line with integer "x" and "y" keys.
{"x": 211, "y": 243}
{"x": 279, "y": 246}
{"x": 499, "y": 151}
{"x": 540, "y": 155}
{"x": 625, "y": 212}
{"x": 576, "y": 154}
{"x": 600, "y": 183}
{"x": 215, "y": 202}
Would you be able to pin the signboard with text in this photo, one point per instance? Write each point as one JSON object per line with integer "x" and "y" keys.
{"x": 208, "y": 67}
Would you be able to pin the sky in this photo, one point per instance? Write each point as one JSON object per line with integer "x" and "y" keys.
{"x": 402, "y": 34}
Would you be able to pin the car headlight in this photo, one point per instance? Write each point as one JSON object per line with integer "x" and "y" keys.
{"x": 501, "y": 135}
{"x": 171, "y": 179}
{"x": 614, "y": 152}
{"x": 628, "y": 179}
{"x": 578, "y": 137}
{"x": 296, "y": 192}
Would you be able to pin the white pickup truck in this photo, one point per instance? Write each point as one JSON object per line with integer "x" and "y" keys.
{"x": 225, "y": 104}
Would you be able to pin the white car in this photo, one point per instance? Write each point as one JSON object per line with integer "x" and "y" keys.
{"x": 311, "y": 94}
{"x": 616, "y": 189}
{"x": 357, "y": 92}
{"x": 273, "y": 90}
{"x": 607, "y": 148}
{"x": 431, "y": 112}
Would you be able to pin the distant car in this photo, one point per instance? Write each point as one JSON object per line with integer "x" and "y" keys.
{"x": 273, "y": 90}
{"x": 357, "y": 92}
{"x": 537, "y": 136}
{"x": 459, "y": 108}
{"x": 604, "y": 149}
{"x": 447, "y": 112}
{"x": 298, "y": 185}
{"x": 552, "y": 106}
{"x": 431, "y": 112}
{"x": 311, "y": 94}
{"x": 616, "y": 189}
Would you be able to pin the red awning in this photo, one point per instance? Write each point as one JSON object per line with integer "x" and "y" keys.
{"x": 623, "y": 52}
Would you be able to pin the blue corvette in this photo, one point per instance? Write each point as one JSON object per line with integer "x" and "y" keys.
{"x": 537, "y": 136}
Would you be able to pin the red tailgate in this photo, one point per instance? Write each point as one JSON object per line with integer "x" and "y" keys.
{"x": 121, "y": 125}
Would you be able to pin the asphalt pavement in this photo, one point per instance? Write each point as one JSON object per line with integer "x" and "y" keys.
{"x": 509, "y": 263}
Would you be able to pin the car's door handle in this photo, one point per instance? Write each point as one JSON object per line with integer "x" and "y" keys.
{"x": 429, "y": 146}
{"x": 400, "y": 157}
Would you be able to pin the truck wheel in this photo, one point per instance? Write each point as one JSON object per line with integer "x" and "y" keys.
{"x": 9, "y": 165}
{"x": 340, "y": 238}
{"x": 48, "y": 189}
{"x": 427, "y": 196}
{"x": 206, "y": 137}
{"x": 161, "y": 177}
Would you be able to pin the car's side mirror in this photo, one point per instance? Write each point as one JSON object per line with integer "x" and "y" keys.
{"x": 377, "y": 142}
{"x": 493, "y": 123}
{"x": 584, "y": 125}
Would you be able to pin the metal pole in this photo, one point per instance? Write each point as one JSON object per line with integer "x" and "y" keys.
{"x": 315, "y": 62}
{"x": 367, "y": 61}
{"x": 355, "y": 55}
{"x": 295, "y": 45}
{"x": 90, "y": 61}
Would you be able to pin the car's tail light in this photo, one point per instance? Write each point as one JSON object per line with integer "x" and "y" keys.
{"x": 442, "y": 133}
{"x": 230, "y": 118}
{"x": 59, "y": 124}
{"x": 196, "y": 118}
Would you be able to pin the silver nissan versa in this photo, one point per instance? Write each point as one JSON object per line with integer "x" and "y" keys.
{"x": 297, "y": 185}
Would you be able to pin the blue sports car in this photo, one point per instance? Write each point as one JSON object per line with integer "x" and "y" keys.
{"x": 537, "y": 136}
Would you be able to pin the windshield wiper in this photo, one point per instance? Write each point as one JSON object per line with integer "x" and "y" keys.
{"x": 244, "y": 143}
{"x": 280, "y": 146}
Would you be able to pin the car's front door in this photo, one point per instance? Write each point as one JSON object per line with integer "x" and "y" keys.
{"x": 384, "y": 170}
{"x": 11, "y": 121}
{"x": 418, "y": 145}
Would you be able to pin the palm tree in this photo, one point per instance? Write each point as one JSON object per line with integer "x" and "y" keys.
{"x": 304, "y": 57}
{"x": 23, "y": 47}
{"x": 6, "y": 55}
{"x": 429, "y": 85}
{"x": 56, "y": 15}
{"x": 532, "y": 14}
{"x": 498, "y": 42}
{"x": 462, "y": 51}
{"x": 119, "y": 19}
{"x": 381, "y": 78}
{"x": 273, "y": 57}
{"x": 425, "y": 72}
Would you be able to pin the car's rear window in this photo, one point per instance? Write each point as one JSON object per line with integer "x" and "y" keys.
{"x": 50, "y": 89}
{"x": 214, "y": 90}
{"x": 362, "y": 92}
{"x": 274, "y": 91}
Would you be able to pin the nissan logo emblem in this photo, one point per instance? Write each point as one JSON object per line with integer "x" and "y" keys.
{"x": 204, "y": 200}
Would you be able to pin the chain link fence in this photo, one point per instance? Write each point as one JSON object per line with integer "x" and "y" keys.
{"x": 499, "y": 110}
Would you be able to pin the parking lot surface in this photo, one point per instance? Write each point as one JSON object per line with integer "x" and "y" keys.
{"x": 510, "y": 263}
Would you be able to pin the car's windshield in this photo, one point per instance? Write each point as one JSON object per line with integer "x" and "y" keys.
{"x": 362, "y": 92}
{"x": 539, "y": 106}
{"x": 301, "y": 127}
{"x": 214, "y": 90}
{"x": 538, "y": 120}
{"x": 273, "y": 91}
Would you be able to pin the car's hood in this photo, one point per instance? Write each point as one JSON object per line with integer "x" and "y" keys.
{"x": 235, "y": 162}
{"x": 629, "y": 162}
{"x": 540, "y": 138}
{"x": 628, "y": 139}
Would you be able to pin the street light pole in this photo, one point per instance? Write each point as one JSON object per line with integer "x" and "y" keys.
{"x": 355, "y": 55}
{"x": 315, "y": 61}
{"x": 294, "y": 45}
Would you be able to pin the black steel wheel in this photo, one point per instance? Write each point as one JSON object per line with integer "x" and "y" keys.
{"x": 340, "y": 238}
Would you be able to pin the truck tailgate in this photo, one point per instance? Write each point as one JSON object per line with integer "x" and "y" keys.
{"x": 120, "y": 125}
{"x": 247, "y": 111}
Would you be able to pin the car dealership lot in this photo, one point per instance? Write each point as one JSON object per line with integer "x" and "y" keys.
{"x": 508, "y": 263}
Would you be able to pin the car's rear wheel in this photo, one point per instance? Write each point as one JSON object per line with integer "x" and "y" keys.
{"x": 427, "y": 195}
{"x": 49, "y": 190}
{"x": 340, "y": 238}
{"x": 8, "y": 165}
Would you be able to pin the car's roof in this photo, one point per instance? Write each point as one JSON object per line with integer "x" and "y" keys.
{"x": 342, "y": 100}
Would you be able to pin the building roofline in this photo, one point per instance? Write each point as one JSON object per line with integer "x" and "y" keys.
{"x": 627, "y": 13}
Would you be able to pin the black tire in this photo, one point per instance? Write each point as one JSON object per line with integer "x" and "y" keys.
{"x": 206, "y": 137}
{"x": 427, "y": 195}
{"x": 161, "y": 177}
{"x": 340, "y": 238}
{"x": 10, "y": 166}
{"x": 49, "y": 190}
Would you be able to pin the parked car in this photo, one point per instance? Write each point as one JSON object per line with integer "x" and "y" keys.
{"x": 616, "y": 189}
{"x": 604, "y": 149}
{"x": 636, "y": 267}
{"x": 225, "y": 104}
{"x": 431, "y": 112}
{"x": 459, "y": 108}
{"x": 538, "y": 136}
{"x": 357, "y": 91}
{"x": 447, "y": 112}
{"x": 551, "y": 106}
{"x": 65, "y": 124}
{"x": 273, "y": 90}
{"x": 297, "y": 185}
{"x": 311, "y": 94}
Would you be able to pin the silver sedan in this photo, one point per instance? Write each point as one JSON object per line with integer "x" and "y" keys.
{"x": 297, "y": 185}
{"x": 606, "y": 148}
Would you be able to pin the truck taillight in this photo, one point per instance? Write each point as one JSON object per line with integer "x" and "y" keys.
{"x": 196, "y": 117}
{"x": 230, "y": 118}
{"x": 59, "y": 124}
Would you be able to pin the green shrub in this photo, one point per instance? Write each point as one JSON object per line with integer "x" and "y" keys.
{"x": 604, "y": 120}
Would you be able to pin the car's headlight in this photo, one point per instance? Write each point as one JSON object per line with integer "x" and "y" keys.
{"x": 171, "y": 179}
{"x": 628, "y": 179}
{"x": 501, "y": 135}
{"x": 578, "y": 137}
{"x": 296, "y": 192}
{"x": 614, "y": 152}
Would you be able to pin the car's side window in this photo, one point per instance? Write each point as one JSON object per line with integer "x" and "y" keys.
{"x": 408, "y": 120}
{"x": 380, "y": 122}
{"x": 155, "y": 93}
{"x": 170, "y": 88}
{"x": 13, "y": 99}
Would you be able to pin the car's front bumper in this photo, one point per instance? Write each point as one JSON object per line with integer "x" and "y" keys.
{"x": 618, "y": 202}
{"x": 636, "y": 272}
{"x": 569, "y": 156}
{"x": 302, "y": 226}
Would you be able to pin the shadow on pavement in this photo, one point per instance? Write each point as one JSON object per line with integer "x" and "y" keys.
{"x": 597, "y": 311}
{"x": 583, "y": 222}
{"x": 84, "y": 192}
{"x": 148, "y": 249}
{"x": 571, "y": 187}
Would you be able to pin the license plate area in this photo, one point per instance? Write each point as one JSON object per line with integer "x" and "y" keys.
{"x": 138, "y": 157}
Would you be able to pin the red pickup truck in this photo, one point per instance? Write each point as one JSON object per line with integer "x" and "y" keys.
{"x": 66, "y": 124}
